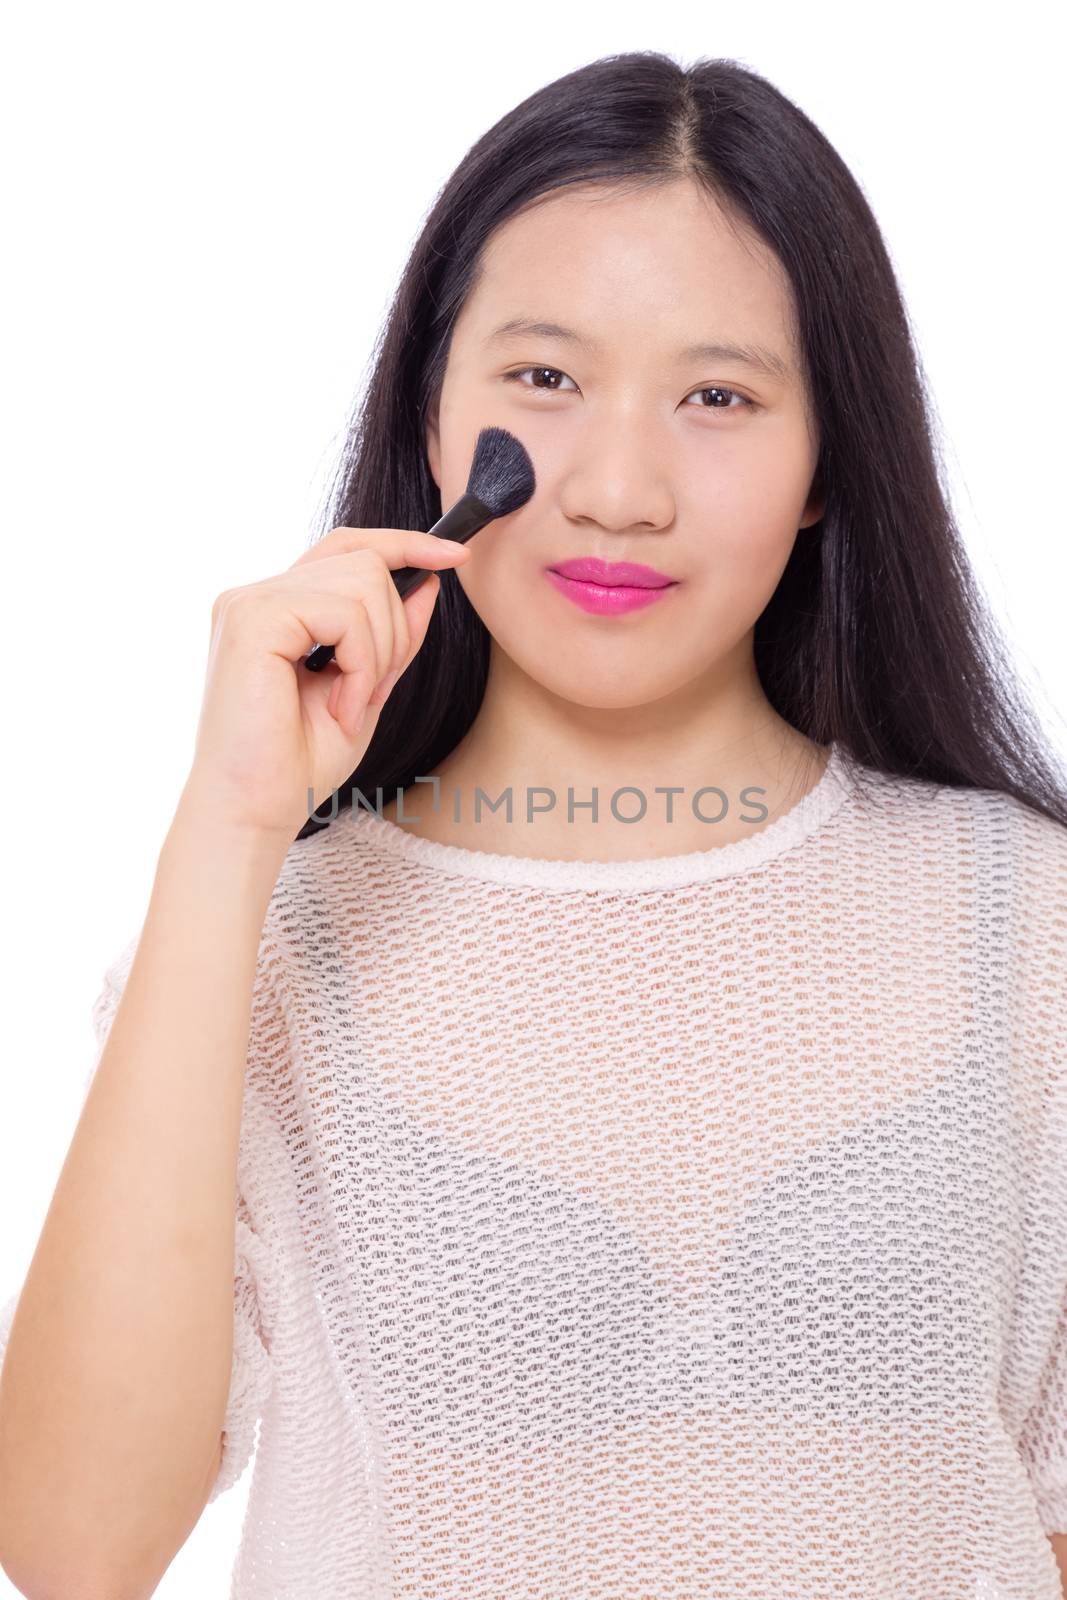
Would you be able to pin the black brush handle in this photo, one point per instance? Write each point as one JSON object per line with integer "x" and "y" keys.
{"x": 459, "y": 523}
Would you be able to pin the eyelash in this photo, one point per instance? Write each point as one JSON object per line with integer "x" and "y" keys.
{"x": 718, "y": 388}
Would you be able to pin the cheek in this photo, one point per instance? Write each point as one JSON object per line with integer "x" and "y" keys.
{"x": 500, "y": 576}
{"x": 746, "y": 499}
{"x": 740, "y": 569}
{"x": 459, "y": 421}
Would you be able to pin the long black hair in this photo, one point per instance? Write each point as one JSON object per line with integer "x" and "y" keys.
{"x": 877, "y": 636}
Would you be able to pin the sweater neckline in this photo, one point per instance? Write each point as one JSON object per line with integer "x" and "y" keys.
{"x": 787, "y": 831}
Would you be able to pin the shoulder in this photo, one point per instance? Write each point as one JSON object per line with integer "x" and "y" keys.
{"x": 315, "y": 897}
{"x": 1028, "y": 866}
{"x": 985, "y": 853}
{"x": 1027, "y": 851}
{"x": 995, "y": 825}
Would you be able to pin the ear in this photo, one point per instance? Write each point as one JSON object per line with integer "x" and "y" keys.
{"x": 816, "y": 502}
{"x": 433, "y": 441}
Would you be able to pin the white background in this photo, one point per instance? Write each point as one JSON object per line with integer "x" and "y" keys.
{"x": 207, "y": 209}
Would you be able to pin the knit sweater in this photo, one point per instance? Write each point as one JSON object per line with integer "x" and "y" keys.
{"x": 688, "y": 1226}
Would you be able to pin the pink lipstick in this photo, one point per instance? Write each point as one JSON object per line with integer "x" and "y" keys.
{"x": 608, "y": 587}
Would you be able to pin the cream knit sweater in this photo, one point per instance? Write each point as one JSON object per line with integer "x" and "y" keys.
{"x": 684, "y": 1227}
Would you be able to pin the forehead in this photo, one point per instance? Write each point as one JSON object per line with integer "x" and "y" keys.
{"x": 665, "y": 260}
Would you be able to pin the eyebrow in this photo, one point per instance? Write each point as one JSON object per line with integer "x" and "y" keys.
{"x": 748, "y": 355}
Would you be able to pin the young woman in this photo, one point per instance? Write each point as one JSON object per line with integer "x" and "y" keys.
{"x": 659, "y": 1189}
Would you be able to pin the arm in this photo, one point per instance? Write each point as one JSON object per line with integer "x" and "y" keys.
{"x": 1058, "y": 1541}
{"x": 115, "y": 1382}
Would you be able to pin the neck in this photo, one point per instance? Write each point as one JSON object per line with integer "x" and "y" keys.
{"x": 720, "y": 732}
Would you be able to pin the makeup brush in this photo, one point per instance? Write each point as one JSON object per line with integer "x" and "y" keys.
{"x": 501, "y": 480}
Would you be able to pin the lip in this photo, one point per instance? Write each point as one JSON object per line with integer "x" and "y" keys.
{"x": 612, "y": 574}
{"x": 606, "y": 588}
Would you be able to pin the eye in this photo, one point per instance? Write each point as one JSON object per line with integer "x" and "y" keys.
{"x": 554, "y": 388}
{"x": 731, "y": 394}
{"x": 513, "y": 377}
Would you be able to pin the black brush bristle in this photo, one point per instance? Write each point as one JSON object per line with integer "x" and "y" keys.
{"x": 502, "y": 474}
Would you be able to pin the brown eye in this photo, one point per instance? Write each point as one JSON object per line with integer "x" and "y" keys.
{"x": 551, "y": 372}
{"x": 719, "y": 390}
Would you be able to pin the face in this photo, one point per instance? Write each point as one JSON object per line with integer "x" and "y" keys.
{"x": 697, "y": 464}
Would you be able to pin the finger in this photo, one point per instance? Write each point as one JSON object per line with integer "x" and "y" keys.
{"x": 385, "y": 617}
{"x": 418, "y": 609}
{"x": 356, "y": 654}
{"x": 335, "y": 690}
{"x": 363, "y": 571}
{"x": 418, "y": 606}
{"x": 353, "y": 703}
{"x": 398, "y": 547}
{"x": 367, "y": 584}
{"x": 401, "y": 645}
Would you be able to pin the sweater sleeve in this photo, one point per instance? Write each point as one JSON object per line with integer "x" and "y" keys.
{"x": 250, "y": 1372}
{"x": 1043, "y": 1008}
{"x": 1043, "y": 1442}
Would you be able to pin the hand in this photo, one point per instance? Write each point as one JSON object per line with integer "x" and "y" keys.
{"x": 270, "y": 731}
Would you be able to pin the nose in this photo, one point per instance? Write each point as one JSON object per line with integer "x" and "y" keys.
{"x": 618, "y": 478}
